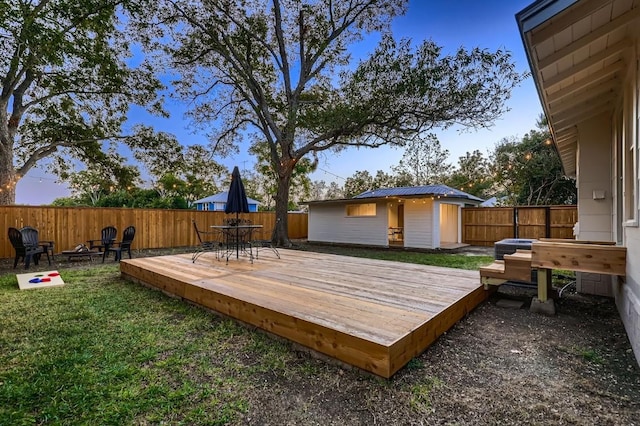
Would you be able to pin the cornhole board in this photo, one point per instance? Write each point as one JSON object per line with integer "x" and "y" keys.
{"x": 39, "y": 280}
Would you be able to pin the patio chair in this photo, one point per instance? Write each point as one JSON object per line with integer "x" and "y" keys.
{"x": 263, "y": 242}
{"x": 108, "y": 236}
{"x": 209, "y": 241}
{"x": 119, "y": 246}
{"x": 48, "y": 245}
{"x": 26, "y": 246}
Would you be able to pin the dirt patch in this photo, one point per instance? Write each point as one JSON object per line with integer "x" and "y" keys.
{"x": 499, "y": 365}
{"x": 496, "y": 366}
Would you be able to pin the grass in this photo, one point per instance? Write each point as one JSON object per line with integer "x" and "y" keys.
{"x": 449, "y": 260}
{"x": 103, "y": 351}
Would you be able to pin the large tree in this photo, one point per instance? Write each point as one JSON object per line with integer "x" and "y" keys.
{"x": 283, "y": 69}
{"x": 67, "y": 84}
{"x": 472, "y": 175}
{"x": 425, "y": 161}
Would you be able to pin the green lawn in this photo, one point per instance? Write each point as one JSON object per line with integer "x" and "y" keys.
{"x": 103, "y": 351}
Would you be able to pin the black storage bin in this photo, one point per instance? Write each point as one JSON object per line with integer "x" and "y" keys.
{"x": 510, "y": 245}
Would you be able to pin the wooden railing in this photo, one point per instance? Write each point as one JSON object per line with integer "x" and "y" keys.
{"x": 483, "y": 226}
{"x": 155, "y": 228}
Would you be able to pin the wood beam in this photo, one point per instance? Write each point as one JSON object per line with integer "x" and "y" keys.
{"x": 583, "y": 114}
{"x": 587, "y": 81}
{"x": 599, "y": 92}
{"x": 579, "y": 109}
{"x": 589, "y": 62}
{"x": 587, "y": 39}
{"x": 566, "y": 19}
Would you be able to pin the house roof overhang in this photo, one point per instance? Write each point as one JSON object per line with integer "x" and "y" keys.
{"x": 578, "y": 51}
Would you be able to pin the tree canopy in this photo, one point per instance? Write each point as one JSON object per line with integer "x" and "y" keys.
{"x": 67, "y": 82}
{"x": 525, "y": 171}
{"x": 282, "y": 72}
{"x": 529, "y": 172}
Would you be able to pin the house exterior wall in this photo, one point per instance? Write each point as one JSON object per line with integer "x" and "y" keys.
{"x": 594, "y": 174}
{"x": 601, "y": 166}
{"x": 627, "y": 290}
{"x": 218, "y": 207}
{"x": 330, "y": 223}
{"x": 595, "y": 195}
{"x": 418, "y": 223}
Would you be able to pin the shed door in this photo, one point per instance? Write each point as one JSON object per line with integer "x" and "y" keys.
{"x": 448, "y": 223}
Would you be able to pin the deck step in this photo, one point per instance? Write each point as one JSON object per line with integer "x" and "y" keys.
{"x": 514, "y": 267}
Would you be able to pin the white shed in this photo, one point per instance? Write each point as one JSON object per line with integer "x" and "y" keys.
{"x": 423, "y": 217}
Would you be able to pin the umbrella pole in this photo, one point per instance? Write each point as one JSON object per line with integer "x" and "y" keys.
{"x": 237, "y": 237}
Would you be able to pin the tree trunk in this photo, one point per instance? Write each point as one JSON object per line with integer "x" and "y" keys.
{"x": 7, "y": 173}
{"x": 281, "y": 234}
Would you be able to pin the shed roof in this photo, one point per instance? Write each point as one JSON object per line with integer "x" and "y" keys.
{"x": 412, "y": 191}
{"x": 221, "y": 197}
{"x": 405, "y": 192}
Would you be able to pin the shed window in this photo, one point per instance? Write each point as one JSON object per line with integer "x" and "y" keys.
{"x": 368, "y": 209}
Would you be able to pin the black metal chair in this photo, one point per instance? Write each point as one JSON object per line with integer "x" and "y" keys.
{"x": 25, "y": 243}
{"x": 108, "y": 236}
{"x": 262, "y": 242}
{"x": 208, "y": 241}
{"x": 119, "y": 246}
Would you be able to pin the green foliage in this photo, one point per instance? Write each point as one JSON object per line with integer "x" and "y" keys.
{"x": 134, "y": 198}
{"x": 263, "y": 184}
{"x": 472, "y": 175}
{"x": 424, "y": 161}
{"x": 360, "y": 182}
{"x": 529, "y": 172}
{"x": 67, "y": 84}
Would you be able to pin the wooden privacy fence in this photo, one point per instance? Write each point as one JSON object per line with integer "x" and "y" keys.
{"x": 483, "y": 226}
{"x": 155, "y": 228}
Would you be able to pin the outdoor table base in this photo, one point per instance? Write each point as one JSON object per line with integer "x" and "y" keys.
{"x": 237, "y": 239}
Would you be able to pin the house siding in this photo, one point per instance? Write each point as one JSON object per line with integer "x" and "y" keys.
{"x": 627, "y": 290}
{"x": 330, "y": 223}
{"x": 594, "y": 171}
{"x": 418, "y": 223}
{"x": 600, "y": 219}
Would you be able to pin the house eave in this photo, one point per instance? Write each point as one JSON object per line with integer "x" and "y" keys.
{"x": 578, "y": 52}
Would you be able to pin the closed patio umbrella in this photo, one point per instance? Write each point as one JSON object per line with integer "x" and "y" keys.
{"x": 236, "y": 200}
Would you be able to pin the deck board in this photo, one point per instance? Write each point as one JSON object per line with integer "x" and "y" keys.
{"x": 373, "y": 314}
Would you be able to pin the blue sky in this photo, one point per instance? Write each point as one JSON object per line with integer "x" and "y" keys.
{"x": 487, "y": 24}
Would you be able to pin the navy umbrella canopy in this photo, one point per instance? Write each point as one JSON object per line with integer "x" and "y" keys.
{"x": 236, "y": 201}
{"x": 237, "y": 197}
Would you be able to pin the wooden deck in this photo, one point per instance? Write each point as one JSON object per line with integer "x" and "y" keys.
{"x": 376, "y": 315}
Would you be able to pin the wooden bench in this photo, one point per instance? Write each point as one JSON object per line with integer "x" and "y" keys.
{"x": 600, "y": 257}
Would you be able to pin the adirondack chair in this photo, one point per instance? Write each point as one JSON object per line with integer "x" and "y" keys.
{"x": 108, "y": 236}
{"x": 26, "y": 245}
{"x": 119, "y": 246}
